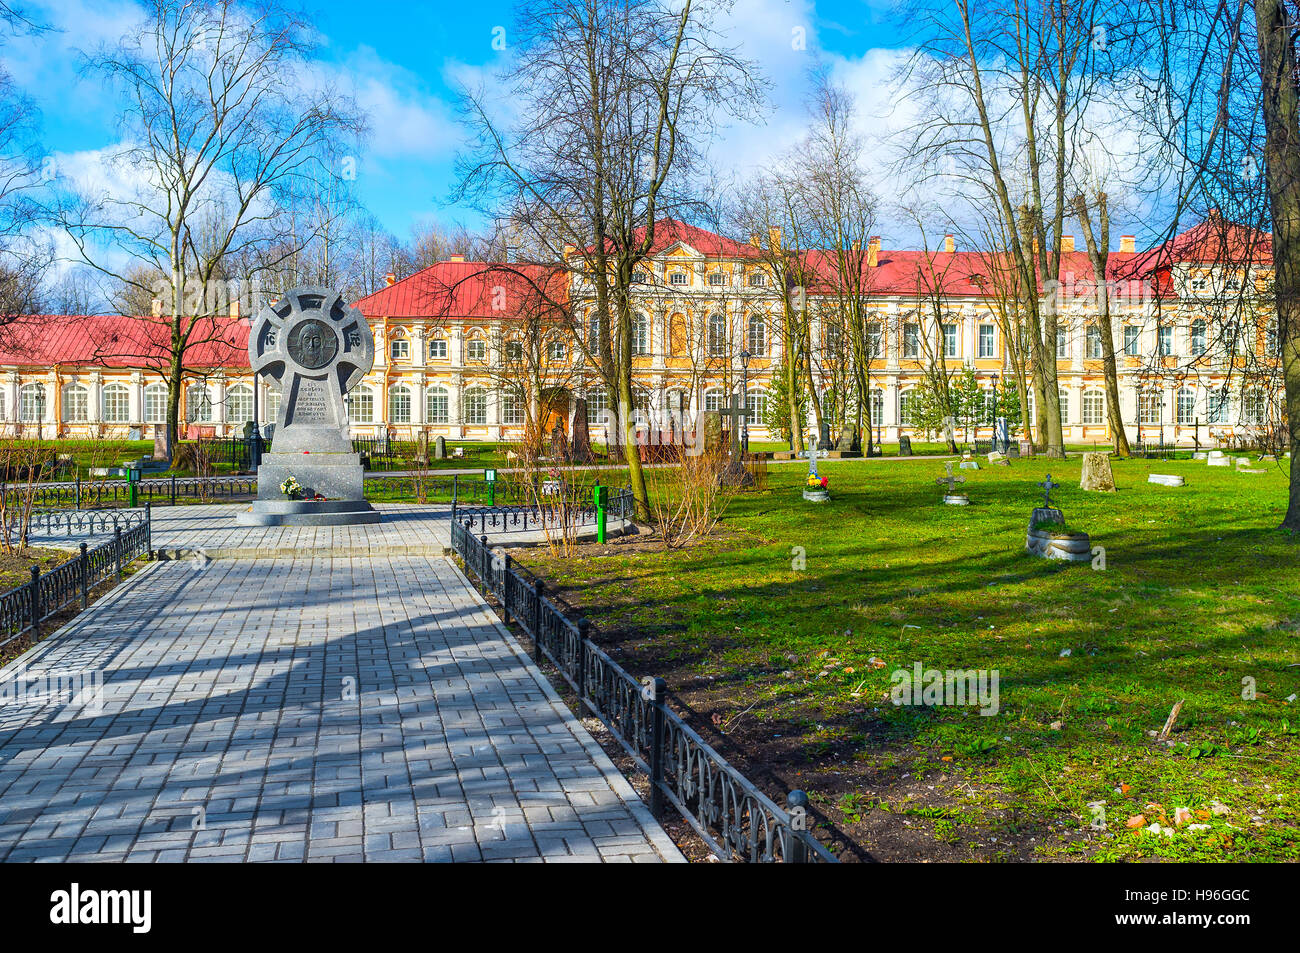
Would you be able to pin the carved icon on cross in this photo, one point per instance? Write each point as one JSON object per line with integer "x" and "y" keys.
{"x": 1048, "y": 486}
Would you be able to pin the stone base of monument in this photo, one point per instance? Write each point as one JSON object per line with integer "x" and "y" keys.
{"x": 956, "y": 499}
{"x": 735, "y": 474}
{"x": 817, "y": 496}
{"x": 337, "y": 477}
{"x": 1167, "y": 479}
{"x": 1052, "y": 543}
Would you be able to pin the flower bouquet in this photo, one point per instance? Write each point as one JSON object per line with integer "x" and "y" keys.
{"x": 817, "y": 489}
{"x": 291, "y": 488}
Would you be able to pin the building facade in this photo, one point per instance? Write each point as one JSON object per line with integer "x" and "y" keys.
{"x": 471, "y": 350}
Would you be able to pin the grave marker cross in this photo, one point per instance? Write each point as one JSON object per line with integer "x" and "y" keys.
{"x": 739, "y": 415}
{"x": 950, "y": 479}
{"x": 1048, "y": 486}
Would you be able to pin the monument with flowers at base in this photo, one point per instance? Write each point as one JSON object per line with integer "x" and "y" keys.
{"x": 816, "y": 488}
{"x": 317, "y": 348}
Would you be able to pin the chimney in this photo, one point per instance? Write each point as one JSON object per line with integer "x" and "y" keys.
{"x": 458, "y": 259}
{"x": 949, "y": 245}
{"x": 774, "y": 238}
{"x": 390, "y": 279}
{"x": 234, "y": 308}
{"x": 1126, "y": 244}
{"x": 1067, "y": 243}
{"x": 156, "y": 307}
{"x": 873, "y": 250}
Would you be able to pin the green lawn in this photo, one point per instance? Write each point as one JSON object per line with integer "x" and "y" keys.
{"x": 1200, "y": 594}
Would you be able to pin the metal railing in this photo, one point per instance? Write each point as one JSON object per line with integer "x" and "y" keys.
{"x": 25, "y": 607}
{"x": 81, "y": 494}
{"x": 562, "y": 512}
{"x": 737, "y": 820}
{"x": 75, "y": 522}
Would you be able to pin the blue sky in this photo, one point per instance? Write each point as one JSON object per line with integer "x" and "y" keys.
{"x": 401, "y": 60}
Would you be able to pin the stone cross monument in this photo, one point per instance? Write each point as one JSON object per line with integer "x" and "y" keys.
{"x": 317, "y": 347}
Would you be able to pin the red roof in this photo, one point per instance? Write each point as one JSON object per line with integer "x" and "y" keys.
{"x": 469, "y": 289}
{"x": 115, "y": 341}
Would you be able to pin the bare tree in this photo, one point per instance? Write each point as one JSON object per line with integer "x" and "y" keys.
{"x": 222, "y": 130}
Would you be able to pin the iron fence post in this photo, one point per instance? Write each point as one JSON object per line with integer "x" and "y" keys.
{"x": 36, "y": 603}
{"x": 173, "y": 490}
{"x": 796, "y": 803}
{"x": 584, "y": 629}
{"x": 455, "y": 485}
{"x": 658, "y": 687}
{"x": 117, "y": 550}
{"x": 539, "y": 591}
{"x": 84, "y": 573}
{"x": 484, "y": 565}
{"x": 77, "y": 490}
{"x": 148, "y": 530}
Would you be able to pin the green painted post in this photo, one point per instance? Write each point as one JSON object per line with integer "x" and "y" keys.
{"x": 599, "y": 494}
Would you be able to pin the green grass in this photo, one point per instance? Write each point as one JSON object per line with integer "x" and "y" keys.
{"x": 1199, "y": 596}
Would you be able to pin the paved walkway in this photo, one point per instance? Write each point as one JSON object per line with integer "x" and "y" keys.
{"x": 303, "y": 708}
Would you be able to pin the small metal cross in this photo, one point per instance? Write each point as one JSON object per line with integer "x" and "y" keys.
{"x": 1048, "y": 486}
{"x": 951, "y": 480}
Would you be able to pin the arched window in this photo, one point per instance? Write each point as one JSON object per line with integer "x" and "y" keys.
{"x": 239, "y": 404}
{"x": 512, "y": 410}
{"x": 476, "y": 406}
{"x": 1198, "y": 337}
{"x": 877, "y": 407}
{"x": 756, "y": 405}
{"x": 905, "y": 408}
{"x": 436, "y": 405}
{"x": 361, "y": 405}
{"x": 757, "y": 337}
{"x": 1186, "y": 406}
{"x": 76, "y": 404}
{"x": 1094, "y": 407}
{"x": 399, "y": 404}
{"x": 155, "y": 404}
{"x": 640, "y": 335}
{"x": 714, "y": 398}
{"x": 115, "y": 404}
{"x": 198, "y": 404}
{"x": 31, "y": 403}
{"x": 717, "y": 335}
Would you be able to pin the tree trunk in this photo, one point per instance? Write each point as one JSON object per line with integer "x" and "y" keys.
{"x": 1281, "y": 106}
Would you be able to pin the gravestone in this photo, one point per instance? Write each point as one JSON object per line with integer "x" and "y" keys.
{"x": 711, "y": 430}
{"x": 1167, "y": 479}
{"x": 734, "y": 472}
{"x": 440, "y": 448}
{"x": 582, "y": 452}
{"x": 849, "y": 441}
{"x": 951, "y": 496}
{"x": 422, "y": 448}
{"x": 559, "y": 445}
{"x": 904, "y": 445}
{"x": 162, "y": 444}
{"x": 315, "y": 347}
{"x": 1217, "y": 458}
{"x": 824, "y": 442}
{"x": 968, "y": 462}
{"x": 1097, "y": 473}
{"x": 999, "y": 459}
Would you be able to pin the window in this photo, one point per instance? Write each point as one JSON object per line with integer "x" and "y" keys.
{"x": 1186, "y": 405}
{"x": 272, "y": 403}
{"x": 877, "y": 408}
{"x": 875, "y": 340}
{"x": 115, "y": 403}
{"x": 593, "y": 334}
{"x": 757, "y": 335}
{"x": 76, "y": 404}
{"x": 1065, "y": 407}
{"x": 361, "y": 406}
{"x": 399, "y": 348}
{"x": 512, "y": 410}
{"x": 1253, "y": 408}
{"x": 640, "y": 335}
{"x": 1165, "y": 341}
{"x": 1199, "y": 283}
{"x": 717, "y": 278}
{"x": 31, "y": 403}
{"x": 556, "y": 349}
{"x": 435, "y": 405}
{"x": 677, "y": 278}
{"x": 834, "y": 338}
{"x": 1151, "y": 407}
{"x": 639, "y": 278}
{"x": 438, "y": 349}
{"x": 714, "y": 399}
{"x": 1131, "y": 336}
{"x": 950, "y": 340}
{"x": 476, "y": 349}
{"x": 1094, "y": 407}
{"x": 1092, "y": 342}
{"x": 1060, "y": 344}
{"x": 1198, "y": 337}
{"x": 986, "y": 340}
{"x": 905, "y": 401}
{"x": 911, "y": 340}
{"x": 399, "y": 404}
{"x": 1219, "y": 406}
{"x": 155, "y": 404}
{"x": 239, "y": 404}
{"x": 476, "y": 406}
{"x": 756, "y": 405}
{"x": 717, "y": 335}
{"x": 987, "y": 411}
{"x": 597, "y": 405}
{"x": 514, "y": 351}
{"x": 1270, "y": 341}
{"x": 757, "y": 280}
{"x": 198, "y": 404}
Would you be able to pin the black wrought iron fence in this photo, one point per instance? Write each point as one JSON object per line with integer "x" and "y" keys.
{"x": 82, "y": 494}
{"x": 737, "y": 820}
{"x": 25, "y": 607}
{"x": 554, "y": 513}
